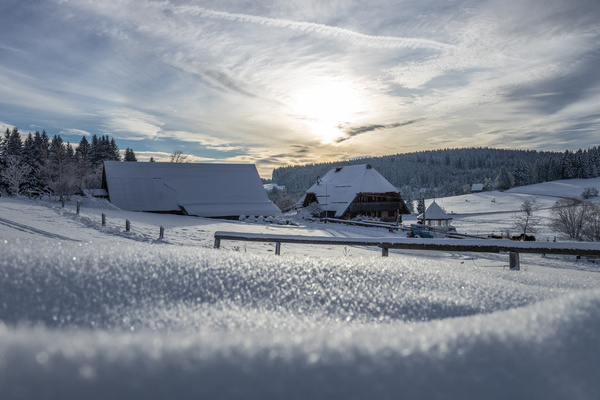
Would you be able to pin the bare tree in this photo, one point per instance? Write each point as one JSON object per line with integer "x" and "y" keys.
{"x": 14, "y": 174}
{"x": 525, "y": 220}
{"x": 178, "y": 157}
{"x": 591, "y": 229}
{"x": 570, "y": 219}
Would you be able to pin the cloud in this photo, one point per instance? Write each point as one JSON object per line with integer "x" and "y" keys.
{"x": 319, "y": 29}
{"x": 131, "y": 124}
{"x": 160, "y": 156}
{"x": 359, "y": 130}
{"x": 75, "y": 132}
{"x": 208, "y": 142}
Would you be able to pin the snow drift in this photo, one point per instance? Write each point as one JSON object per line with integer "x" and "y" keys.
{"x": 159, "y": 321}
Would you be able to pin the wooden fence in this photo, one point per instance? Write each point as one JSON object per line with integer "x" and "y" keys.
{"x": 459, "y": 245}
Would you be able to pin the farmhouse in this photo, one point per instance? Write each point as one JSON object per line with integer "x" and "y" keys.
{"x": 205, "y": 190}
{"x": 356, "y": 190}
{"x": 434, "y": 216}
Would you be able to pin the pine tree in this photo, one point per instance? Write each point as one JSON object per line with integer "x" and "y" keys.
{"x": 568, "y": 170}
{"x": 83, "y": 149}
{"x": 13, "y": 144}
{"x": 95, "y": 155}
{"x": 114, "y": 153}
{"x": 129, "y": 155}
{"x": 521, "y": 174}
{"x": 14, "y": 174}
{"x": 504, "y": 181}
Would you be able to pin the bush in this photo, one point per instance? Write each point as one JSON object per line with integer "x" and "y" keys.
{"x": 589, "y": 192}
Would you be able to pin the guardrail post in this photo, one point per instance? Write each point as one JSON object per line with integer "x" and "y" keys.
{"x": 384, "y": 251}
{"x": 103, "y": 219}
{"x": 277, "y": 248}
{"x": 513, "y": 261}
{"x": 127, "y": 225}
{"x": 78, "y": 208}
{"x": 217, "y": 243}
{"x": 161, "y": 234}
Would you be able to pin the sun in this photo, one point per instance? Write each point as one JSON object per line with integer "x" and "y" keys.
{"x": 327, "y": 106}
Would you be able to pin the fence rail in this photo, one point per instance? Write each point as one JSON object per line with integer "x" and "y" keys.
{"x": 459, "y": 245}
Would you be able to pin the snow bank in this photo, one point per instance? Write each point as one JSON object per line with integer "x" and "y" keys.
{"x": 158, "y": 321}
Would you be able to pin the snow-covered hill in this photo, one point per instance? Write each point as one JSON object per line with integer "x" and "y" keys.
{"x": 91, "y": 311}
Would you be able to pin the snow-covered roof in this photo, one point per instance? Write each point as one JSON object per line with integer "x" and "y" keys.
{"x": 435, "y": 212}
{"x": 338, "y": 188}
{"x": 477, "y": 187}
{"x": 206, "y": 190}
{"x": 270, "y": 186}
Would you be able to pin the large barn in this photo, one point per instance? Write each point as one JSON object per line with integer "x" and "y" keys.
{"x": 356, "y": 190}
{"x": 205, "y": 190}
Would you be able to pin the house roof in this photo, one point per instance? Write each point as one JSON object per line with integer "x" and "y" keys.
{"x": 435, "y": 212}
{"x": 206, "y": 190}
{"x": 337, "y": 189}
{"x": 477, "y": 187}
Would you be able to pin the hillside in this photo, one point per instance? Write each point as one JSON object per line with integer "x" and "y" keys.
{"x": 451, "y": 172}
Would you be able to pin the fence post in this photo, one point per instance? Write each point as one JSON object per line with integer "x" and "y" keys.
{"x": 384, "y": 251}
{"x": 103, "y": 219}
{"x": 217, "y": 243}
{"x": 161, "y": 235}
{"x": 513, "y": 261}
{"x": 127, "y": 225}
{"x": 277, "y": 248}
{"x": 78, "y": 207}
{"x": 62, "y": 201}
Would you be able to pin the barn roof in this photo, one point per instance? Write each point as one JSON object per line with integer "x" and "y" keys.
{"x": 206, "y": 190}
{"x": 337, "y": 189}
{"x": 435, "y": 212}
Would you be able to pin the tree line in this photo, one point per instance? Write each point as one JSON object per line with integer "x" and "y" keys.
{"x": 39, "y": 164}
{"x": 451, "y": 172}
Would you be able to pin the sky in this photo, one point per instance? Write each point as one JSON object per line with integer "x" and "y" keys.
{"x": 286, "y": 82}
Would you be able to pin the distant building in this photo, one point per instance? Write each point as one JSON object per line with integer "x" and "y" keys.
{"x": 356, "y": 190}
{"x": 205, "y": 190}
{"x": 434, "y": 216}
{"x": 477, "y": 187}
{"x": 270, "y": 186}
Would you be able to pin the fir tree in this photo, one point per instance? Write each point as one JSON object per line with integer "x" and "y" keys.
{"x": 504, "y": 179}
{"x": 129, "y": 155}
{"x": 13, "y": 144}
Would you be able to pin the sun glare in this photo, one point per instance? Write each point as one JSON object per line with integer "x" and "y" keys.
{"x": 326, "y": 107}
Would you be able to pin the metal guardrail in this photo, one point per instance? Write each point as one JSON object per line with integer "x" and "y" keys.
{"x": 459, "y": 245}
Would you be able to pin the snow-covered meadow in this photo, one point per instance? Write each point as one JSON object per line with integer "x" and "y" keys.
{"x": 91, "y": 311}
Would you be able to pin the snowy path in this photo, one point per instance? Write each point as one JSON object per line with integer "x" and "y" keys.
{"x": 32, "y": 230}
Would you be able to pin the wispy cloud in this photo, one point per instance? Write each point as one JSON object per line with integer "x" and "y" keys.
{"x": 75, "y": 132}
{"x": 359, "y": 130}
{"x": 319, "y": 29}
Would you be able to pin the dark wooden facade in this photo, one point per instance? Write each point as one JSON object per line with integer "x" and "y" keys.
{"x": 387, "y": 207}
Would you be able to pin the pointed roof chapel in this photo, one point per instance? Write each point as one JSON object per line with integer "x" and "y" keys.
{"x": 434, "y": 215}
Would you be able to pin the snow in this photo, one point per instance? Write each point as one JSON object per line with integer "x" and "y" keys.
{"x": 91, "y": 311}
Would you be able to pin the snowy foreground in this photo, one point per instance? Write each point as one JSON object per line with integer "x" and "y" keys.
{"x": 91, "y": 312}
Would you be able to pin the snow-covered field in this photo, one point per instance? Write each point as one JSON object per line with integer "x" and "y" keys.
{"x": 91, "y": 311}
